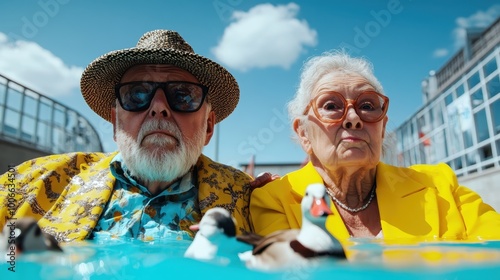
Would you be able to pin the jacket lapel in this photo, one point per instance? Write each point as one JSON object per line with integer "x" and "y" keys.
{"x": 407, "y": 204}
{"x": 78, "y": 208}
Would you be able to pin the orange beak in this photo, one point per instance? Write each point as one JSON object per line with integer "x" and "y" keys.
{"x": 320, "y": 208}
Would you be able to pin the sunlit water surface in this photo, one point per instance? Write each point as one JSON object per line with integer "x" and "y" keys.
{"x": 114, "y": 259}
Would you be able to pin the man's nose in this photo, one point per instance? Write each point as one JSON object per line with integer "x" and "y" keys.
{"x": 159, "y": 105}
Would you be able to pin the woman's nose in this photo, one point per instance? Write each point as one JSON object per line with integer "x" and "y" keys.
{"x": 352, "y": 119}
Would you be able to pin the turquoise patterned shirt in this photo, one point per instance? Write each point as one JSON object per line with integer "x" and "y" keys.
{"x": 134, "y": 213}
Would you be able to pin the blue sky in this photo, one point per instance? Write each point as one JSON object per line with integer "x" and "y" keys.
{"x": 46, "y": 44}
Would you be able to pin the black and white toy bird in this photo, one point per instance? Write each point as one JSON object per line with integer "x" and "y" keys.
{"x": 215, "y": 238}
{"x": 23, "y": 235}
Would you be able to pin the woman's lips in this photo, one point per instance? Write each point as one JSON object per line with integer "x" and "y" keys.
{"x": 351, "y": 139}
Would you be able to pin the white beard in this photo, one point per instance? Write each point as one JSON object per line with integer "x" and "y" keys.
{"x": 159, "y": 165}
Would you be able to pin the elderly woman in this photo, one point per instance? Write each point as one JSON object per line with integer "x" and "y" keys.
{"x": 339, "y": 115}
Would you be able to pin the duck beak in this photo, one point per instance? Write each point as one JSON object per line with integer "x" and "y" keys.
{"x": 320, "y": 208}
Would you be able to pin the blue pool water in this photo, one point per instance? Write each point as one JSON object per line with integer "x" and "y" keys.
{"x": 112, "y": 260}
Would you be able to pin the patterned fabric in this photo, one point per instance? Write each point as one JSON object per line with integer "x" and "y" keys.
{"x": 68, "y": 193}
{"x": 133, "y": 212}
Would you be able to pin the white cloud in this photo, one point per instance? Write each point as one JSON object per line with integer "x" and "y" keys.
{"x": 37, "y": 68}
{"x": 440, "y": 53}
{"x": 265, "y": 36}
{"x": 479, "y": 19}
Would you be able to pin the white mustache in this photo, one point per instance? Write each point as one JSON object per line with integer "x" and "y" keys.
{"x": 156, "y": 124}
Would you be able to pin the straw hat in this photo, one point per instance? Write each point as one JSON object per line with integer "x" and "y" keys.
{"x": 157, "y": 47}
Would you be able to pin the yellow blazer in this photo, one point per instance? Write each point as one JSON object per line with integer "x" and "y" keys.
{"x": 67, "y": 193}
{"x": 423, "y": 202}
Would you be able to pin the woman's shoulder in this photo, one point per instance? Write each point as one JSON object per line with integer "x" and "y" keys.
{"x": 208, "y": 168}
{"x": 435, "y": 175}
{"x": 280, "y": 184}
{"x": 439, "y": 169}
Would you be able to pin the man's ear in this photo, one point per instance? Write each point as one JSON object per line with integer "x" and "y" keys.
{"x": 300, "y": 130}
{"x": 113, "y": 121}
{"x": 210, "y": 127}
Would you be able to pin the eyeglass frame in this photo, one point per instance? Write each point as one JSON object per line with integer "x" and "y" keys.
{"x": 346, "y": 107}
{"x": 163, "y": 86}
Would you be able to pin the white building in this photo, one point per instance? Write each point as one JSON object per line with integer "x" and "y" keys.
{"x": 459, "y": 123}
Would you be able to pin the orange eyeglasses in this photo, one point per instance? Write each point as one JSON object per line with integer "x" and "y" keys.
{"x": 331, "y": 107}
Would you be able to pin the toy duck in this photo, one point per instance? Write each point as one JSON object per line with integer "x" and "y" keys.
{"x": 215, "y": 237}
{"x": 297, "y": 247}
{"x": 24, "y": 235}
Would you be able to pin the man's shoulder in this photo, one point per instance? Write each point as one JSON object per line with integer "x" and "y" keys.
{"x": 207, "y": 166}
{"x": 75, "y": 156}
{"x": 75, "y": 160}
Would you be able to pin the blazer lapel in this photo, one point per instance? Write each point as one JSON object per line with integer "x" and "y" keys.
{"x": 408, "y": 207}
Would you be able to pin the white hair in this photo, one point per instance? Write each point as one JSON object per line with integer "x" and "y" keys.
{"x": 316, "y": 67}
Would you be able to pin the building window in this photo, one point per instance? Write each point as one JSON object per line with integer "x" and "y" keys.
{"x": 490, "y": 67}
{"x": 458, "y": 163}
{"x": 437, "y": 115}
{"x": 460, "y": 123}
{"x": 471, "y": 158}
{"x": 495, "y": 116}
{"x": 498, "y": 148}
{"x": 477, "y": 98}
{"x": 493, "y": 86}
{"x": 467, "y": 138}
{"x": 485, "y": 152}
{"x": 481, "y": 122}
{"x": 473, "y": 80}
{"x": 438, "y": 148}
{"x": 460, "y": 89}
{"x": 448, "y": 99}
{"x": 422, "y": 154}
{"x": 14, "y": 99}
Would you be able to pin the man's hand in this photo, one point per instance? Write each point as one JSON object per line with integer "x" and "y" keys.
{"x": 262, "y": 179}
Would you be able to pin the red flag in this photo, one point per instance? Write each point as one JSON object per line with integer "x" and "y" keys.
{"x": 426, "y": 141}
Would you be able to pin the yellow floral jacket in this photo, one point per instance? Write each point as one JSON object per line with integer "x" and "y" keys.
{"x": 422, "y": 202}
{"x": 67, "y": 193}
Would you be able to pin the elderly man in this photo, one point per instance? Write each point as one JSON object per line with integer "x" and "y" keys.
{"x": 163, "y": 101}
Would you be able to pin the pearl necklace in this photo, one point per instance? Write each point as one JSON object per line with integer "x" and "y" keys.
{"x": 354, "y": 210}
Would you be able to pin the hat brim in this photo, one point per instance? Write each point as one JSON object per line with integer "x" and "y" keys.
{"x": 100, "y": 77}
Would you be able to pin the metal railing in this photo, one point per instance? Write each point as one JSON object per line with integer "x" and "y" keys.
{"x": 31, "y": 119}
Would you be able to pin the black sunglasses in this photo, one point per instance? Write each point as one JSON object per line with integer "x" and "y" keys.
{"x": 181, "y": 96}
